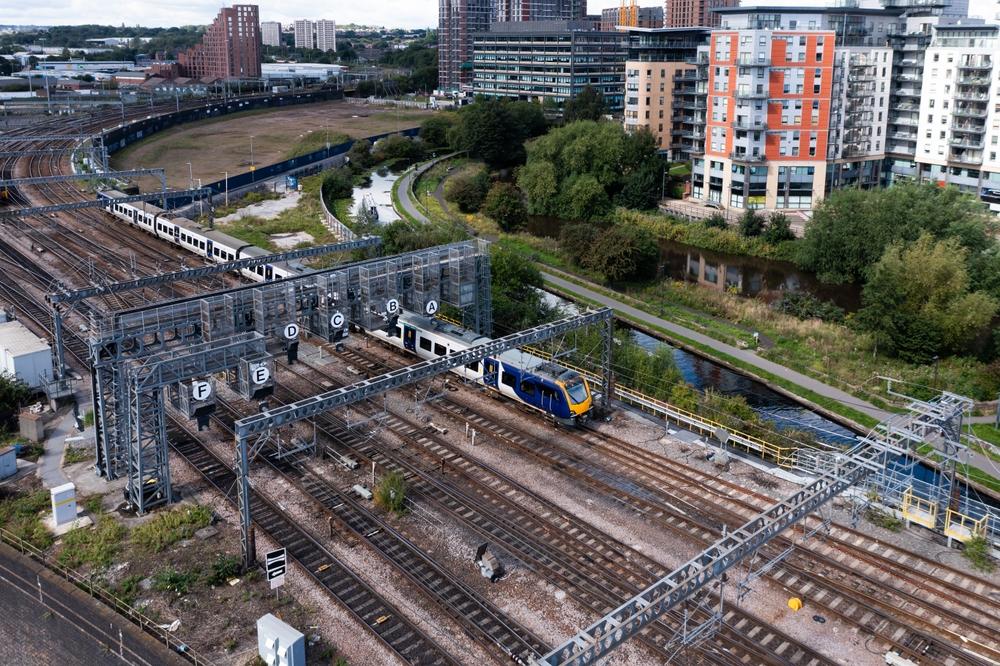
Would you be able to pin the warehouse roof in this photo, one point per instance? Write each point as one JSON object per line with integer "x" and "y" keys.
{"x": 18, "y": 340}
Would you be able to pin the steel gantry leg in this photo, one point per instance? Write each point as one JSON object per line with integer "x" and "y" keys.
{"x": 607, "y": 374}
{"x": 148, "y": 482}
{"x": 243, "y": 490}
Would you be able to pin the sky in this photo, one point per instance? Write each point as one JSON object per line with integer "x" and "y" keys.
{"x": 390, "y": 13}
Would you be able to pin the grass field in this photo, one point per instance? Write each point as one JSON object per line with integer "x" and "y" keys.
{"x": 223, "y": 144}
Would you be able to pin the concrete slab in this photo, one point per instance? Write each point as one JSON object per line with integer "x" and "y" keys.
{"x": 24, "y": 468}
{"x": 82, "y": 520}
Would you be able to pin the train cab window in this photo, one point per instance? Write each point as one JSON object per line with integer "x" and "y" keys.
{"x": 474, "y": 367}
{"x": 528, "y": 388}
{"x": 507, "y": 379}
{"x": 425, "y": 344}
{"x": 440, "y": 349}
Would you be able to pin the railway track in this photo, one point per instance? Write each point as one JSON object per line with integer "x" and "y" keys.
{"x": 596, "y": 569}
{"x": 370, "y": 608}
{"x": 906, "y": 621}
{"x": 478, "y": 616}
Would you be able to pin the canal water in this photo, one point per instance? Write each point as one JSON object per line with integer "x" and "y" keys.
{"x": 377, "y": 195}
{"x": 746, "y": 276}
{"x": 703, "y": 373}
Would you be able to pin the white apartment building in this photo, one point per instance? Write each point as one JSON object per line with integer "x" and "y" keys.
{"x": 270, "y": 33}
{"x": 958, "y": 131}
{"x": 321, "y": 34}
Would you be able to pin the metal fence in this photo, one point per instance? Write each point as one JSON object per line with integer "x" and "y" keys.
{"x": 104, "y": 596}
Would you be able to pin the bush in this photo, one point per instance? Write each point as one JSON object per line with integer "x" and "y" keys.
{"x": 434, "y": 131}
{"x": 977, "y": 551}
{"x": 337, "y": 184}
{"x": 577, "y": 240}
{"x": 803, "y": 305}
{"x": 396, "y": 147}
{"x": 170, "y": 526}
{"x": 468, "y": 190}
{"x": 779, "y": 229}
{"x": 390, "y": 493}
{"x": 224, "y": 568}
{"x": 751, "y": 224}
{"x": 624, "y": 252}
{"x": 360, "y": 157}
{"x": 505, "y": 205}
{"x": 20, "y": 516}
{"x": 716, "y": 221}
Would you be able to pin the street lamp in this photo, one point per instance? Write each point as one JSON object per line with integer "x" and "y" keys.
{"x": 190, "y": 176}
{"x": 226, "y": 174}
{"x": 252, "y": 167}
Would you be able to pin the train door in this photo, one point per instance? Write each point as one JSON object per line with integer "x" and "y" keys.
{"x": 208, "y": 248}
{"x": 409, "y": 338}
{"x": 177, "y": 234}
{"x": 268, "y": 272}
{"x": 491, "y": 371}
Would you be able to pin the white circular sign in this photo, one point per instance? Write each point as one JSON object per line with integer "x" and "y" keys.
{"x": 337, "y": 320}
{"x": 200, "y": 390}
{"x": 291, "y": 331}
{"x": 431, "y": 307}
{"x": 260, "y": 374}
{"x": 392, "y": 306}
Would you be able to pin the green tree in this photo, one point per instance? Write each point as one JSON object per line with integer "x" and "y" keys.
{"x": 642, "y": 188}
{"x": 529, "y": 118}
{"x": 468, "y": 190}
{"x": 584, "y": 198}
{"x": 505, "y": 204}
{"x": 918, "y": 303}
{"x": 517, "y": 284}
{"x": 779, "y": 229}
{"x": 751, "y": 224}
{"x": 587, "y": 105}
{"x": 488, "y": 131}
{"x": 538, "y": 180}
{"x": 434, "y": 130}
{"x": 624, "y": 252}
{"x": 360, "y": 156}
{"x": 397, "y": 146}
{"x": 578, "y": 239}
{"x": 851, "y": 228}
{"x": 13, "y": 394}
{"x": 716, "y": 221}
{"x": 337, "y": 184}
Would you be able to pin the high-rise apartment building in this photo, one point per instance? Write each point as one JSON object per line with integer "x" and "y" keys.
{"x": 664, "y": 89}
{"x": 641, "y": 17}
{"x": 538, "y": 10}
{"x": 693, "y": 13}
{"x": 229, "y": 49}
{"x": 458, "y": 20}
{"x": 320, "y": 35}
{"x": 549, "y": 60}
{"x": 270, "y": 33}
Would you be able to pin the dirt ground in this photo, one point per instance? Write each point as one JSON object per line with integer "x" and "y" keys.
{"x": 223, "y": 144}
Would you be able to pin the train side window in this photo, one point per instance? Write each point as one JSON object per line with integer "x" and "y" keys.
{"x": 528, "y": 388}
{"x": 425, "y": 344}
{"x": 396, "y": 332}
{"x": 473, "y": 366}
{"x": 201, "y": 245}
{"x": 507, "y": 379}
{"x": 440, "y": 349}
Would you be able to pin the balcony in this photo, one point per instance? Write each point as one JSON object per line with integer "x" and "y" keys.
{"x": 975, "y": 66}
{"x": 969, "y": 127}
{"x": 903, "y": 136}
{"x": 861, "y": 91}
{"x": 970, "y": 112}
{"x": 979, "y": 81}
{"x": 747, "y": 94}
{"x": 967, "y": 143}
{"x": 750, "y": 124}
{"x": 906, "y": 92}
{"x": 688, "y": 104}
{"x": 961, "y": 156}
{"x": 743, "y": 156}
{"x": 753, "y": 61}
{"x": 908, "y": 77}
{"x": 909, "y": 122}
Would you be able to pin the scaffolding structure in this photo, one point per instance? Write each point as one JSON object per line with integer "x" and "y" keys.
{"x": 130, "y": 418}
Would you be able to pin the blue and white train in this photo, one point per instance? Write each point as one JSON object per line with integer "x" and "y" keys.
{"x": 212, "y": 245}
{"x": 540, "y": 384}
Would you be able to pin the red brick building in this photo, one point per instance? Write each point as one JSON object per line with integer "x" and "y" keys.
{"x": 230, "y": 48}
{"x": 693, "y": 13}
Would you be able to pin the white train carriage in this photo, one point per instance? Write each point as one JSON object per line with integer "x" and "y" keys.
{"x": 214, "y": 246}
{"x": 540, "y": 384}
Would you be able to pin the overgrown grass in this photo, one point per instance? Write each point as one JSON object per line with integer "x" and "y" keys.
{"x": 307, "y": 216}
{"x": 88, "y": 418}
{"x": 977, "y": 551}
{"x": 248, "y": 199}
{"x": 987, "y": 432}
{"x": 20, "y": 515}
{"x": 96, "y": 546}
{"x": 224, "y": 568}
{"x": 170, "y": 526}
{"x": 390, "y": 493}
{"x": 128, "y": 589}
{"x": 313, "y": 141}
{"x": 74, "y": 454}
{"x": 173, "y": 580}
{"x": 883, "y": 519}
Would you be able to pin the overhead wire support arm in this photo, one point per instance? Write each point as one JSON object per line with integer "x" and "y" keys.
{"x": 102, "y": 203}
{"x": 204, "y": 271}
{"x": 629, "y": 619}
{"x": 10, "y": 138}
{"x": 106, "y": 175}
